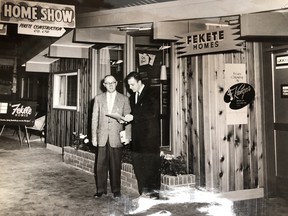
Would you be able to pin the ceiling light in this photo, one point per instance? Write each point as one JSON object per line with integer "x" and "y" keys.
{"x": 164, "y": 47}
{"x": 127, "y": 28}
{"x": 216, "y": 24}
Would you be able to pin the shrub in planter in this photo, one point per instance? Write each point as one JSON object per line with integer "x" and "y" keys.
{"x": 173, "y": 166}
{"x": 81, "y": 142}
{"x": 126, "y": 154}
{"x": 170, "y": 165}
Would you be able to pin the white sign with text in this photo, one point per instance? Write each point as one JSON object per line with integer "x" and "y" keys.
{"x": 235, "y": 73}
{"x": 40, "y": 29}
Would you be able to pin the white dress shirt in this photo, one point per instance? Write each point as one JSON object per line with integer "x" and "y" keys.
{"x": 110, "y": 100}
{"x": 137, "y": 94}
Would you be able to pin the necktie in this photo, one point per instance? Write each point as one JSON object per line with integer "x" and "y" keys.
{"x": 137, "y": 97}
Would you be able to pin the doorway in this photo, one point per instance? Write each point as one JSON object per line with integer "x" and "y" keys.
{"x": 148, "y": 60}
{"x": 280, "y": 119}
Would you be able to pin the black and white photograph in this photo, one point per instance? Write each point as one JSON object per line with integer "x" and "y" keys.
{"x": 143, "y": 108}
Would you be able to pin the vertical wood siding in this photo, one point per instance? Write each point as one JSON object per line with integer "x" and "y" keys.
{"x": 225, "y": 157}
{"x": 62, "y": 123}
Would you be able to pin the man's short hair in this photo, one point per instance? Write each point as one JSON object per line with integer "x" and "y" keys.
{"x": 109, "y": 75}
{"x": 134, "y": 75}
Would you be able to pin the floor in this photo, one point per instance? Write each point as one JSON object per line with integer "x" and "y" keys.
{"x": 35, "y": 181}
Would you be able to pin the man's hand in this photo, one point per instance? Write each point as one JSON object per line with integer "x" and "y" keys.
{"x": 128, "y": 118}
{"x": 127, "y": 141}
{"x": 94, "y": 142}
{"x": 121, "y": 121}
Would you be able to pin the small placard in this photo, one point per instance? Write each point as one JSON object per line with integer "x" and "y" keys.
{"x": 281, "y": 61}
{"x": 284, "y": 91}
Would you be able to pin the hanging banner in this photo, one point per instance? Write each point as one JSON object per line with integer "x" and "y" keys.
{"x": 235, "y": 97}
{"x": 209, "y": 41}
{"x": 15, "y": 11}
{"x": 17, "y": 113}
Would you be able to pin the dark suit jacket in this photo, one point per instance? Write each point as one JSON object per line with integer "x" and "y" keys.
{"x": 146, "y": 122}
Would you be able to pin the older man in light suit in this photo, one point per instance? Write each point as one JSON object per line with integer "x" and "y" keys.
{"x": 106, "y": 137}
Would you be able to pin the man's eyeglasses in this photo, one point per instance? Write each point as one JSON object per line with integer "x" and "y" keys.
{"x": 110, "y": 83}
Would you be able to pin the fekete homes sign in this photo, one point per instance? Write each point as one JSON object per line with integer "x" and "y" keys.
{"x": 209, "y": 41}
{"x": 17, "y": 113}
{"x": 38, "y": 18}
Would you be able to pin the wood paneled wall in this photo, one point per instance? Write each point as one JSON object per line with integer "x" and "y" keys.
{"x": 62, "y": 123}
{"x": 224, "y": 157}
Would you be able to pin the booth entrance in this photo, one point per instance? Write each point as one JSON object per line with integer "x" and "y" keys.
{"x": 280, "y": 117}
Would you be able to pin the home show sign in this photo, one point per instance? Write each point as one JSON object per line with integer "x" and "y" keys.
{"x": 38, "y": 18}
{"x": 17, "y": 113}
{"x": 209, "y": 41}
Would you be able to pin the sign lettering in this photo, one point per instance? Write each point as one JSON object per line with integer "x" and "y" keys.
{"x": 40, "y": 29}
{"x": 209, "y": 41}
{"x": 14, "y": 11}
{"x": 20, "y": 110}
{"x": 17, "y": 113}
{"x": 239, "y": 95}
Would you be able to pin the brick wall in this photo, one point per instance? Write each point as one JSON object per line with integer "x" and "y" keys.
{"x": 79, "y": 159}
{"x": 85, "y": 161}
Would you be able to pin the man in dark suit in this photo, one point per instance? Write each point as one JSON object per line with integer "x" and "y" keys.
{"x": 106, "y": 137}
{"x": 145, "y": 136}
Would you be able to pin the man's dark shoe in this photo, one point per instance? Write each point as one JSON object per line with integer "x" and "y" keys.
{"x": 154, "y": 196}
{"x": 98, "y": 195}
{"x": 117, "y": 194}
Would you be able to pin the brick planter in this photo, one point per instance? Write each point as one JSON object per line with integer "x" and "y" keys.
{"x": 80, "y": 159}
{"x": 85, "y": 161}
{"x": 170, "y": 182}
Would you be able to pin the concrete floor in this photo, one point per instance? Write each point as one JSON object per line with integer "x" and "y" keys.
{"x": 35, "y": 181}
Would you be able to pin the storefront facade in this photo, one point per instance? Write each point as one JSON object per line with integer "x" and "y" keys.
{"x": 230, "y": 144}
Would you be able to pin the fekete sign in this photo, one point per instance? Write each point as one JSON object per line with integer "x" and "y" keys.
{"x": 209, "y": 41}
{"x": 17, "y": 113}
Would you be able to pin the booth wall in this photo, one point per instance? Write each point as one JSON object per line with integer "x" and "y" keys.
{"x": 223, "y": 157}
{"x": 61, "y": 123}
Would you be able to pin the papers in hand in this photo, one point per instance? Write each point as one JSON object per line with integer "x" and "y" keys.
{"x": 121, "y": 119}
{"x": 116, "y": 116}
{"x": 123, "y": 136}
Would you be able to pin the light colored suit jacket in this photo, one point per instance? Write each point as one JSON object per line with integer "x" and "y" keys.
{"x": 104, "y": 127}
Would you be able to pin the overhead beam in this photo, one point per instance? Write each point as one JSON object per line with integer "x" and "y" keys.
{"x": 99, "y": 35}
{"x": 35, "y": 45}
{"x": 37, "y": 67}
{"x": 170, "y": 30}
{"x": 40, "y": 63}
{"x": 68, "y": 51}
{"x": 264, "y": 24}
{"x": 175, "y": 10}
{"x": 67, "y": 47}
